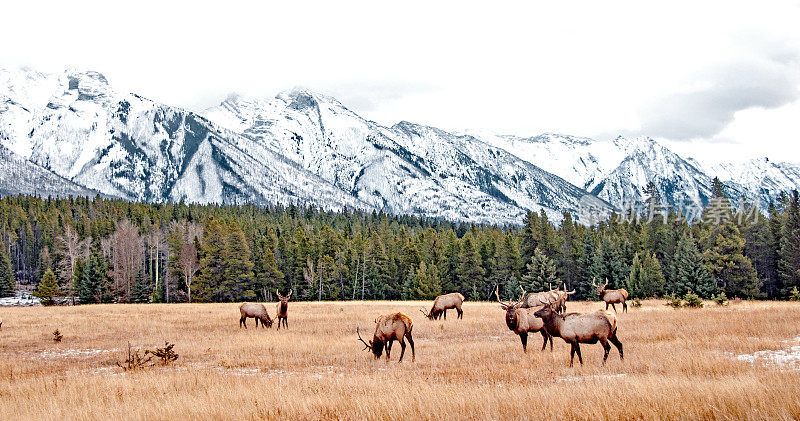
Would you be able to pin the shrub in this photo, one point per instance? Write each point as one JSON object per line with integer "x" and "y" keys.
{"x": 137, "y": 359}
{"x": 57, "y": 337}
{"x": 720, "y": 299}
{"x": 692, "y": 300}
{"x": 674, "y": 302}
{"x": 794, "y": 294}
{"x": 165, "y": 354}
{"x": 636, "y": 302}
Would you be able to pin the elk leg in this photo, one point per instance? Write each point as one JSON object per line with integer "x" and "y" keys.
{"x": 256, "y": 319}
{"x": 243, "y": 322}
{"x": 614, "y": 340}
{"x": 571, "y": 354}
{"x": 460, "y": 313}
{"x": 612, "y": 306}
{"x": 578, "y": 351}
{"x": 286, "y": 322}
{"x": 606, "y": 306}
{"x": 445, "y": 314}
{"x": 624, "y": 307}
{"x": 606, "y": 349}
{"x": 524, "y": 338}
{"x": 402, "y": 349}
{"x": 411, "y": 341}
{"x": 545, "y": 336}
{"x": 388, "y": 349}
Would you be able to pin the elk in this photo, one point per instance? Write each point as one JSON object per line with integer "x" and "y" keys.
{"x": 444, "y": 302}
{"x": 256, "y": 311}
{"x": 388, "y": 328}
{"x": 522, "y": 321}
{"x": 611, "y": 296}
{"x": 579, "y": 329}
{"x": 561, "y": 302}
{"x": 283, "y": 309}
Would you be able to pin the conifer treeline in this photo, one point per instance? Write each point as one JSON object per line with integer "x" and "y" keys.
{"x": 103, "y": 250}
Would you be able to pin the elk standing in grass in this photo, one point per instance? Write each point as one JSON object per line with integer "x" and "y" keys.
{"x": 522, "y": 321}
{"x": 588, "y": 328}
{"x": 256, "y": 311}
{"x": 612, "y": 296}
{"x": 444, "y": 302}
{"x": 388, "y": 328}
{"x": 283, "y": 309}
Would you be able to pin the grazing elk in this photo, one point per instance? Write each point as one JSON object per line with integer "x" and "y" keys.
{"x": 579, "y": 329}
{"x": 612, "y": 296}
{"x": 444, "y": 302}
{"x": 554, "y": 297}
{"x": 388, "y": 328}
{"x": 283, "y": 309}
{"x": 522, "y": 321}
{"x": 256, "y": 311}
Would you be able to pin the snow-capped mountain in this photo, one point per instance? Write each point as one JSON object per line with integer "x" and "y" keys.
{"x": 579, "y": 160}
{"x": 406, "y": 168}
{"x": 298, "y": 147}
{"x": 762, "y": 179}
{"x": 72, "y": 133}
{"x": 75, "y": 125}
{"x": 20, "y": 176}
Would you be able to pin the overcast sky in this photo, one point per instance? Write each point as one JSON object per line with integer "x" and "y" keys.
{"x": 718, "y": 80}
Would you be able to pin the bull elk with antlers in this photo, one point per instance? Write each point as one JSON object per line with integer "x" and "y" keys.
{"x": 576, "y": 329}
{"x": 283, "y": 309}
{"x": 521, "y": 320}
{"x": 611, "y": 296}
{"x": 390, "y": 328}
{"x": 443, "y": 303}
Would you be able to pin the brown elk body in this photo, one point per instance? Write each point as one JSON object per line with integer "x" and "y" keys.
{"x": 390, "y": 328}
{"x": 555, "y": 298}
{"x": 612, "y": 296}
{"x": 283, "y": 309}
{"x": 576, "y": 329}
{"x": 443, "y": 303}
{"x": 256, "y": 311}
{"x": 521, "y": 320}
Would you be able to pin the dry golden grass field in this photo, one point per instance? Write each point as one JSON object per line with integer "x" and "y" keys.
{"x": 735, "y": 362}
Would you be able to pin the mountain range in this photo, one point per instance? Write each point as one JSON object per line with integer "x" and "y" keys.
{"x": 71, "y": 133}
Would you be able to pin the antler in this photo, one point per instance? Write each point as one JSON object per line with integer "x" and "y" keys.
{"x": 502, "y": 304}
{"x": 366, "y": 345}
{"x": 423, "y": 312}
{"x": 594, "y": 281}
{"x": 278, "y": 294}
{"x": 604, "y": 285}
{"x": 290, "y": 294}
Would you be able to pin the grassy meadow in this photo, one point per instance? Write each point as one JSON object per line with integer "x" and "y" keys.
{"x": 679, "y": 364}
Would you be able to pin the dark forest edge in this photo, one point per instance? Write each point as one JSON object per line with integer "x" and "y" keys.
{"x": 100, "y": 250}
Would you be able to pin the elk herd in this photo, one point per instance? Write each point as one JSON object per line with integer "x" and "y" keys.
{"x": 543, "y": 312}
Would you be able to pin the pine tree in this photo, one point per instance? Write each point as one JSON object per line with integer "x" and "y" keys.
{"x": 93, "y": 282}
{"x": 142, "y": 288}
{"x": 237, "y": 271}
{"x": 209, "y": 281}
{"x": 728, "y": 265}
{"x": 470, "y": 270}
{"x": 8, "y": 284}
{"x": 589, "y": 269}
{"x": 541, "y": 274}
{"x": 423, "y": 283}
{"x": 789, "y": 254}
{"x": 689, "y": 272}
{"x": 48, "y": 288}
{"x": 646, "y": 278}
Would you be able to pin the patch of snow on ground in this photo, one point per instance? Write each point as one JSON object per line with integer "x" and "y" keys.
{"x": 789, "y": 357}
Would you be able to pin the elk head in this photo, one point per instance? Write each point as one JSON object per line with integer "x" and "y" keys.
{"x": 600, "y": 289}
{"x": 283, "y": 299}
{"x": 267, "y": 321}
{"x": 428, "y": 315}
{"x": 511, "y": 310}
{"x": 374, "y": 346}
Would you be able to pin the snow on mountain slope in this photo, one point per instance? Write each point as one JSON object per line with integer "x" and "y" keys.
{"x": 397, "y": 169}
{"x": 77, "y": 126}
{"x": 581, "y": 161}
{"x": 678, "y": 182}
{"x": 493, "y": 171}
{"x": 20, "y": 176}
{"x": 762, "y": 179}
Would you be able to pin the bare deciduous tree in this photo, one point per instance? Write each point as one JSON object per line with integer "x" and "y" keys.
{"x": 69, "y": 248}
{"x": 127, "y": 255}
